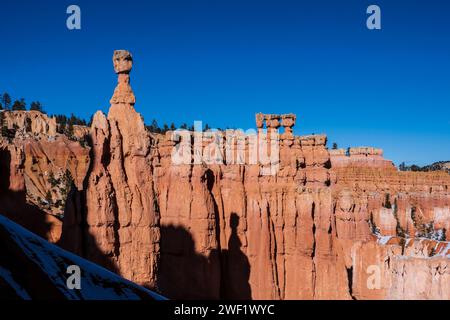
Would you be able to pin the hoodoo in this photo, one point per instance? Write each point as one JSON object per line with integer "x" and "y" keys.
{"x": 319, "y": 226}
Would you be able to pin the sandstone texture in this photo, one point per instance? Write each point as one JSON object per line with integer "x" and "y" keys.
{"x": 30, "y": 122}
{"x": 407, "y": 213}
{"x": 221, "y": 226}
{"x": 38, "y": 169}
{"x": 209, "y": 215}
{"x": 119, "y": 203}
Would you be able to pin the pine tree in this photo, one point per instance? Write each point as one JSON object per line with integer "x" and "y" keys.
{"x": 70, "y": 130}
{"x": 36, "y": 106}
{"x": 19, "y": 105}
{"x": 62, "y": 128}
{"x": 6, "y": 101}
{"x": 335, "y": 146}
{"x": 154, "y": 127}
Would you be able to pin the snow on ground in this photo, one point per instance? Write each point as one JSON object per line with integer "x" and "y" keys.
{"x": 97, "y": 283}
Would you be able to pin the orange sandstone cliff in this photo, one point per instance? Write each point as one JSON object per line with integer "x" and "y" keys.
{"x": 311, "y": 223}
{"x": 38, "y": 169}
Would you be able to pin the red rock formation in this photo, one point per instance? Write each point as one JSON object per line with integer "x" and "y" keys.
{"x": 383, "y": 201}
{"x": 274, "y": 232}
{"x": 30, "y": 122}
{"x": 361, "y": 156}
{"x": 302, "y": 225}
{"x": 37, "y": 169}
{"x": 121, "y": 208}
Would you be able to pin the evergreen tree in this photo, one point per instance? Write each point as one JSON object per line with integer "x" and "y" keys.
{"x": 172, "y": 127}
{"x": 19, "y": 105}
{"x": 36, "y": 106}
{"x": 6, "y": 101}
{"x": 62, "y": 128}
{"x": 335, "y": 146}
{"x": 154, "y": 127}
{"x": 72, "y": 120}
{"x": 70, "y": 129}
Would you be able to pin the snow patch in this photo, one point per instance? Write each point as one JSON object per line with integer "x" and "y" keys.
{"x": 96, "y": 282}
{"x": 384, "y": 239}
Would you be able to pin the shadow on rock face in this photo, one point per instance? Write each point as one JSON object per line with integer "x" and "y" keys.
{"x": 13, "y": 204}
{"x": 183, "y": 273}
{"x": 76, "y": 236}
{"x": 235, "y": 267}
{"x": 187, "y": 274}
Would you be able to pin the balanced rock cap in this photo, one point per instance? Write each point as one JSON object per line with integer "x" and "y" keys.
{"x": 123, "y": 61}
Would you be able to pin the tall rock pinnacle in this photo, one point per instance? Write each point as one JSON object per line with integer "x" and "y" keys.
{"x": 123, "y": 63}
{"x": 122, "y": 217}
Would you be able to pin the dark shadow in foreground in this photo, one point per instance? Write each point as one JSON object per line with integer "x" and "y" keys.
{"x": 236, "y": 267}
{"x": 183, "y": 273}
{"x": 187, "y": 274}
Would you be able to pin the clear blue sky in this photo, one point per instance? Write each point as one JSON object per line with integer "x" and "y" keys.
{"x": 222, "y": 61}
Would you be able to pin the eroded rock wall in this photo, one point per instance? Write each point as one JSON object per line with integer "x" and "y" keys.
{"x": 393, "y": 226}
{"x": 257, "y": 236}
{"x": 37, "y": 174}
{"x": 31, "y": 122}
{"x": 313, "y": 224}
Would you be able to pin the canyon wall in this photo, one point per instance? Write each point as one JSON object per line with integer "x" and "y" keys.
{"x": 310, "y": 223}
{"x": 38, "y": 169}
{"x": 221, "y": 229}
{"x": 30, "y": 122}
{"x": 393, "y": 226}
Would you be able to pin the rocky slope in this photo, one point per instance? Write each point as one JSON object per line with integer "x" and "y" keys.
{"x": 38, "y": 169}
{"x": 32, "y": 268}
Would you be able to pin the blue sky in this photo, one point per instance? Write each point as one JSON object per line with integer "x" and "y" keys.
{"x": 223, "y": 61}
